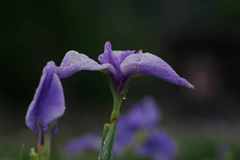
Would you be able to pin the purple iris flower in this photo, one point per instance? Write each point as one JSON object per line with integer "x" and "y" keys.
{"x": 48, "y": 103}
{"x": 143, "y": 118}
{"x": 121, "y": 65}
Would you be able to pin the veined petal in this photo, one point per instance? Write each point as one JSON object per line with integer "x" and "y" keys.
{"x": 74, "y": 62}
{"x": 48, "y": 103}
{"x": 107, "y": 55}
{"x": 115, "y": 57}
{"x": 149, "y": 64}
{"x": 121, "y": 55}
{"x": 108, "y": 58}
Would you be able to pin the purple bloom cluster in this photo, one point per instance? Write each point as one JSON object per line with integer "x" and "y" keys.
{"x": 137, "y": 131}
{"x": 48, "y": 103}
{"x": 121, "y": 65}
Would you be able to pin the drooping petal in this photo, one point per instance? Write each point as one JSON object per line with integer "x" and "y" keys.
{"x": 88, "y": 142}
{"x": 149, "y": 64}
{"x": 48, "y": 103}
{"x": 74, "y": 62}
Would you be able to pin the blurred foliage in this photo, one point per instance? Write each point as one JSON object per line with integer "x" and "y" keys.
{"x": 192, "y": 148}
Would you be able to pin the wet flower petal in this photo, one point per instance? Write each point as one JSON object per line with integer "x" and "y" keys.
{"x": 48, "y": 103}
{"x": 121, "y": 65}
{"x": 113, "y": 57}
{"x": 74, "y": 62}
{"x": 149, "y": 64}
{"x": 107, "y": 56}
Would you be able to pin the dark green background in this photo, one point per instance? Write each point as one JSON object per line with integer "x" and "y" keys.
{"x": 200, "y": 39}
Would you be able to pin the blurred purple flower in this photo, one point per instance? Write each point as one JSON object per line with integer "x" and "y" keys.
{"x": 48, "y": 103}
{"x": 224, "y": 152}
{"x": 158, "y": 146}
{"x": 143, "y": 115}
{"x": 124, "y": 136}
{"x": 121, "y": 65}
{"x": 88, "y": 142}
{"x": 142, "y": 118}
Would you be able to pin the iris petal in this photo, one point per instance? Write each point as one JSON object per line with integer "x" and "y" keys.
{"x": 74, "y": 62}
{"x": 149, "y": 64}
{"x": 48, "y": 103}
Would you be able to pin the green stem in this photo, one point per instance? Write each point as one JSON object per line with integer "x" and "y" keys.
{"x": 42, "y": 151}
{"x": 45, "y": 153}
{"x": 109, "y": 131}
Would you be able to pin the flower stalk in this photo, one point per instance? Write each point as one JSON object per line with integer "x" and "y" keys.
{"x": 43, "y": 148}
{"x": 110, "y": 128}
{"x": 46, "y": 149}
{"x": 48, "y": 103}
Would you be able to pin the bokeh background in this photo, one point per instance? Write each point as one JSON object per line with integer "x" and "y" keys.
{"x": 200, "y": 39}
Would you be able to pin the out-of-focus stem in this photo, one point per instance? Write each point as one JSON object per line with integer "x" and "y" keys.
{"x": 43, "y": 147}
{"x": 45, "y": 152}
